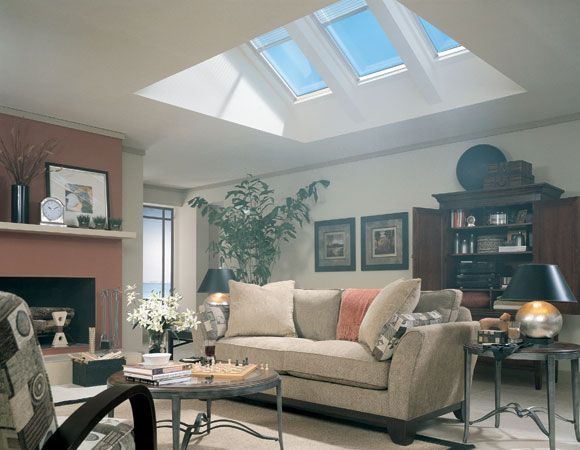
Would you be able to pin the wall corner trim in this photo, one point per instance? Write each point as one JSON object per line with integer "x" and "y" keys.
{"x": 61, "y": 122}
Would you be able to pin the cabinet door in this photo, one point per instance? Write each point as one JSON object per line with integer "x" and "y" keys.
{"x": 427, "y": 248}
{"x": 556, "y": 228}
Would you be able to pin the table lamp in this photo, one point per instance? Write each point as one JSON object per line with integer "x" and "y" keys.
{"x": 537, "y": 284}
{"x": 215, "y": 283}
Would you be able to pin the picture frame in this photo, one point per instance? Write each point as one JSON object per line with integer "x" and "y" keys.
{"x": 83, "y": 191}
{"x": 385, "y": 242}
{"x": 334, "y": 245}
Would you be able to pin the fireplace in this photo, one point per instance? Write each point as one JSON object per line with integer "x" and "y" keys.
{"x": 75, "y": 293}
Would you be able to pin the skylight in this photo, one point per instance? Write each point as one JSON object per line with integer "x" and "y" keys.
{"x": 288, "y": 61}
{"x": 357, "y": 33}
{"x": 440, "y": 40}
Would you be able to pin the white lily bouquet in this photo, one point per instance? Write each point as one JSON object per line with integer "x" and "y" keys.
{"x": 158, "y": 314}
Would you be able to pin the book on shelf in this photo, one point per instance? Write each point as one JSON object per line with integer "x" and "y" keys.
{"x": 157, "y": 377}
{"x": 512, "y": 248}
{"x": 181, "y": 379}
{"x": 507, "y": 305}
{"x": 169, "y": 368}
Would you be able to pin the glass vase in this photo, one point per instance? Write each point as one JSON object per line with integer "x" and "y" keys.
{"x": 157, "y": 341}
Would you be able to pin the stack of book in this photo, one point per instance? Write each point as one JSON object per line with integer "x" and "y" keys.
{"x": 158, "y": 375}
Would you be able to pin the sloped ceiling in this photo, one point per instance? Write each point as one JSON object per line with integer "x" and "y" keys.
{"x": 82, "y": 61}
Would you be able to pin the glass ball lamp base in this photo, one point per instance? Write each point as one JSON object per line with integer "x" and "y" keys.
{"x": 540, "y": 322}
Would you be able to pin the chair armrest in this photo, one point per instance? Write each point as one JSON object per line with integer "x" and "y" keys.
{"x": 426, "y": 371}
{"x": 75, "y": 429}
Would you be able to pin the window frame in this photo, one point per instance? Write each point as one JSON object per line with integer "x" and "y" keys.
{"x": 359, "y": 79}
{"x": 436, "y": 54}
{"x": 295, "y": 98}
{"x": 163, "y": 220}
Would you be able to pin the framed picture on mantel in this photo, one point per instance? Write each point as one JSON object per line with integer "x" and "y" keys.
{"x": 334, "y": 245}
{"x": 385, "y": 242}
{"x": 82, "y": 191}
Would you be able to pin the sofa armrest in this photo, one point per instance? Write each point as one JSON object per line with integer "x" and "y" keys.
{"x": 426, "y": 371}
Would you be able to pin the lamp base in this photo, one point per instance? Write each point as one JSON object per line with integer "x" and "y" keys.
{"x": 538, "y": 341}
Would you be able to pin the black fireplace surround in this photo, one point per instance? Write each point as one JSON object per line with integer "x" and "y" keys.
{"x": 77, "y": 293}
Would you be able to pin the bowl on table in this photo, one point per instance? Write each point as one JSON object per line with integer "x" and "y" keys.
{"x": 156, "y": 359}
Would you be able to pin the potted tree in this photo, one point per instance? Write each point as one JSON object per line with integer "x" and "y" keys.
{"x": 252, "y": 226}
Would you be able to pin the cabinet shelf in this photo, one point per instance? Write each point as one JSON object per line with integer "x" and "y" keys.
{"x": 481, "y": 289}
{"x": 494, "y": 227}
{"x": 467, "y": 255}
{"x": 27, "y": 228}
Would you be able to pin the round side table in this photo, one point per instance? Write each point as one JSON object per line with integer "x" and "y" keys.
{"x": 548, "y": 353}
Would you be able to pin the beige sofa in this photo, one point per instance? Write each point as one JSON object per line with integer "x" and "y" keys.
{"x": 342, "y": 378}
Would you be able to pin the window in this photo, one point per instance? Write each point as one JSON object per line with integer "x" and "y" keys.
{"x": 157, "y": 250}
{"x": 288, "y": 61}
{"x": 440, "y": 40}
{"x": 356, "y": 32}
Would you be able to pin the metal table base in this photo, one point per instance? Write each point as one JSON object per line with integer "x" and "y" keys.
{"x": 518, "y": 410}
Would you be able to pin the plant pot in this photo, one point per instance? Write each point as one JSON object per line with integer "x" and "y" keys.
{"x": 20, "y": 203}
{"x": 84, "y": 223}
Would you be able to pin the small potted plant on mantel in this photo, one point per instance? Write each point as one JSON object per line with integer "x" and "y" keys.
{"x": 84, "y": 220}
{"x": 23, "y": 162}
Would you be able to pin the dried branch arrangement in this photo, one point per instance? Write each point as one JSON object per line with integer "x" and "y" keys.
{"x": 22, "y": 160}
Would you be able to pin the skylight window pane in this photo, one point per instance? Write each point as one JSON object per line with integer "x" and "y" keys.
{"x": 289, "y": 62}
{"x": 440, "y": 40}
{"x": 358, "y": 35}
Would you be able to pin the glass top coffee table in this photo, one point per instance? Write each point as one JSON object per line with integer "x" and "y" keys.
{"x": 258, "y": 381}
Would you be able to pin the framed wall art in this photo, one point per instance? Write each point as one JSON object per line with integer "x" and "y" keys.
{"x": 385, "y": 242}
{"x": 334, "y": 245}
{"x": 82, "y": 191}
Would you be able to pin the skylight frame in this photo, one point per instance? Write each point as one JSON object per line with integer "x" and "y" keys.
{"x": 294, "y": 97}
{"x": 360, "y": 79}
{"x": 437, "y": 54}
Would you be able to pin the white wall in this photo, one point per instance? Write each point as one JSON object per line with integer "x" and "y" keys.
{"x": 132, "y": 248}
{"x": 184, "y": 263}
{"x": 399, "y": 182}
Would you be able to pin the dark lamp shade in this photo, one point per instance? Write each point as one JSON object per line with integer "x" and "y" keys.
{"x": 216, "y": 280}
{"x": 538, "y": 282}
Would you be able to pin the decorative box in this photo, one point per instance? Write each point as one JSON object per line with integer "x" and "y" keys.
{"x": 508, "y": 174}
{"x": 489, "y": 243}
{"x": 490, "y": 337}
{"x": 95, "y": 373}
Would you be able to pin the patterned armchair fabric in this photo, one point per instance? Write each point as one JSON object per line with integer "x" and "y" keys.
{"x": 27, "y": 415}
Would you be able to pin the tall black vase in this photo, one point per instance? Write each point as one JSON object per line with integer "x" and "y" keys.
{"x": 20, "y": 200}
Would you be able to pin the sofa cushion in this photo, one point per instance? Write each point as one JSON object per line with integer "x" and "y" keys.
{"x": 261, "y": 310}
{"x": 342, "y": 362}
{"x": 316, "y": 313}
{"x": 258, "y": 349}
{"x": 396, "y": 327}
{"x": 353, "y": 307}
{"x": 214, "y": 319}
{"x": 398, "y": 297}
{"x": 446, "y": 302}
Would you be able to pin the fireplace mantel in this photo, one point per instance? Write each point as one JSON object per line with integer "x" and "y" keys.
{"x": 64, "y": 231}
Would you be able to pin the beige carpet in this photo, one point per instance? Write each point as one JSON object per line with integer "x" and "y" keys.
{"x": 300, "y": 431}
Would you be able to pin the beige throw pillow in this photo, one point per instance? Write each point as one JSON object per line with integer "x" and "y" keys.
{"x": 261, "y": 310}
{"x": 398, "y": 297}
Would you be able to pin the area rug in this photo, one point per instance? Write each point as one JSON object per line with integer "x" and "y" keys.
{"x": 300, "y": 431}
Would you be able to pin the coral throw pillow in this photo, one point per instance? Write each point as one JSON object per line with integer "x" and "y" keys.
{"x": 353, "y": 307}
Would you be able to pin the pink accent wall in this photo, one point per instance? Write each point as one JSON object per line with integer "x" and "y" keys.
{"x": 40, "y": 255}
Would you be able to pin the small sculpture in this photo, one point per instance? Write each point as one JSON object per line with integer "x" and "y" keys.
{"x": 492, "y": 323}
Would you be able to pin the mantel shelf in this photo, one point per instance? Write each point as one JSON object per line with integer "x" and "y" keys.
{"x": 10, "y": 227}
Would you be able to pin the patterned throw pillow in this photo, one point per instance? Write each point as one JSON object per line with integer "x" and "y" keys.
{"x": 394, "y": 329}
{"x": 214, "y": 318}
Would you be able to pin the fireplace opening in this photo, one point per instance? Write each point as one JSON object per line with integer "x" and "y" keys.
{"x": 45, "y": 294}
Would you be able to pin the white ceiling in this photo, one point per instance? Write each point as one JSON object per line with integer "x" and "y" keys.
{"x": 82, "y": 61}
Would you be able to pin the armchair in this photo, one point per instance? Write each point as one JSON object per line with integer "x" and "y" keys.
{"x": 27, "y": 414}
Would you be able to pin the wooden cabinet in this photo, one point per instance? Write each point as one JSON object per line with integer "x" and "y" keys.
{"x": 551, "y": 230}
